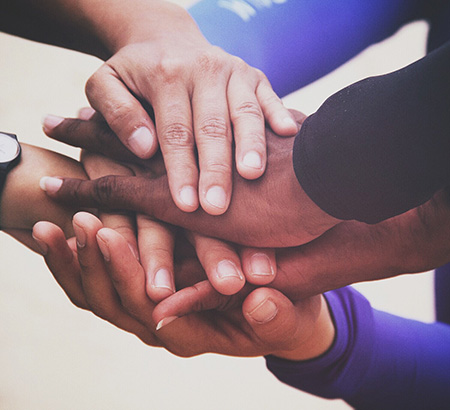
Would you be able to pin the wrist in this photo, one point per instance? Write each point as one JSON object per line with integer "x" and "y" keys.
{"x": 320, "y": 341}
{"x": 133, "y": 21}
{"x": 23, "y": 203}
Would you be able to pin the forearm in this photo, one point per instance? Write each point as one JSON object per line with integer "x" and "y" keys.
{"x": 379, "y": 147}
{"x": 22, "y": 202}
{"x": 97, "y": 27}
{"x": 377, "y": 360}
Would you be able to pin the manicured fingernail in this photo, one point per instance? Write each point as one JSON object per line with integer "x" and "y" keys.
{"x": 289, "y": 121}
{"x": 165, "y": 321}
{"x": 261, "y": 265}
{"x": 163, "y": 279}
{"x": 264, "y": 312}
{"x": 216, "y": 197}
{"x": 42, "y": 245}
{"x": 141, "y": 141}
{"x": 227, "y": 269}
{"x": 80, "y": 235}
{"x": 252, "y": 160}
{"x": 51, "y": 121}
{"x": 188, "y": 196}
{"x": 50, "y": 184}
{"x": 104, "y": 249}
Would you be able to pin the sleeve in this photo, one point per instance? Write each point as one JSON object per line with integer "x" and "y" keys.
{"x": 380, "y": 146}
{"x": 295, "y": 42}
{"x": 377, "y": 361}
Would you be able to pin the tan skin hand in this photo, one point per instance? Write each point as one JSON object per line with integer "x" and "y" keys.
{"x": 22, "y": 202}
{"x": 267, "y": 322}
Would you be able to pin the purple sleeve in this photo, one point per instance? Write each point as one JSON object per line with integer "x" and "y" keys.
{"x": 380, "y": 146}
{"x": 377, "y": 361}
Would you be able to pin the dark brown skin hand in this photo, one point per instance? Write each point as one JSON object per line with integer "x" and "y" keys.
{"x": 272, "y": 211}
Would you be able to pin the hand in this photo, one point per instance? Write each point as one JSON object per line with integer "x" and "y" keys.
{"x": 272, "y": 211}
{"x": 351, "y": 252}
{"x": 223, "y": 267}
{"x": 198, "y": 94}
{"x": 267, "y": 322}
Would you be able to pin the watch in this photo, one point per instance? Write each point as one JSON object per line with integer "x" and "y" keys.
{"x": 9, "y": 155}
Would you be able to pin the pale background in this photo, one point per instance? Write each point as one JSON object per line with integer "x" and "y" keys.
{"x": 54, "y": 356}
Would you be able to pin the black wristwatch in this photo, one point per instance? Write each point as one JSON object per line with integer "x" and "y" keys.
{"x": 9, "y": 155}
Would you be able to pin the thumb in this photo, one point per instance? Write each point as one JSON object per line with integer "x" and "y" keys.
{"x": 273, "y": 318}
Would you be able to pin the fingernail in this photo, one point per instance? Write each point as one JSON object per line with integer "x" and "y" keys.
{"x": 141, "y": 141}
{"x": 51, "y": 121}
{"x": 134, "y": 251}
{"x": 104, "y": 249}
{"x": 216, "y": 197}
{"x": 80, "y": 235}
{"x": 188, "y": 196}
{"x": 163, "y": 279}
{"x": 261, "y": 265}
{"x": 50, "y": 184}
{"x": 264, "y": 312}
{"x": 86, "y": 113}
{"x": 289, "y": 121}
{"x": 42, "y": 245}
{"x": 252, "y": 160}
{"x": 227, "y": 269}
{"x": 165, "y": 321}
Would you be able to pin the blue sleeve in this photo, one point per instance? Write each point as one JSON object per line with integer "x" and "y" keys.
{"x": 377, "y": 361}
{"x": 295, "y": 42}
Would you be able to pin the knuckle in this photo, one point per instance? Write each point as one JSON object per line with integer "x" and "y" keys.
{"x": 103, "y": 189}
{"x": 247, "y": 108}
{"x": 169, "y": 70}
{"x": 117, "y": 114}
{"x": 93, "y": 81}
{"x": 214, "y": 128}
{"x": 177, "y": 134}
{"x": 210, "y": 61}
{"x": 271, "y": 100}
{"x": 217, "y": 168}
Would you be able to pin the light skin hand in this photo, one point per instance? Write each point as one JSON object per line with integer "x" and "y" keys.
{"x": 198, "y": 94}
{"x": 272, "y": 211}
{"x": 266, "y": 323}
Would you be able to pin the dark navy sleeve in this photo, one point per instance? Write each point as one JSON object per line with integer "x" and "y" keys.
{"x": 295, "y": 42}
{"x": 377, "y": 361}
{"x": 380, "y": 146}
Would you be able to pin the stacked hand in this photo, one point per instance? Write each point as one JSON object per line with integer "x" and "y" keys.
{"x": 272, "y": 211}
{"x": 201, "y": 99}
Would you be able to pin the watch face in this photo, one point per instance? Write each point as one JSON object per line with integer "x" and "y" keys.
{"x": 9, "y": 148}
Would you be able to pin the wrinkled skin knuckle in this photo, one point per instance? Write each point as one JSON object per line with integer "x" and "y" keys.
{"x": 248, "y": 108}
{"x": 103, "y": 189}
{"x": 272, "y": 100}
{"x": 219, "y": 168}
{"x": 214, "y": 128}
{"x": 178, "y": 135}
{"x": 210, "y": 62}
{"x": 119, "y": 114}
